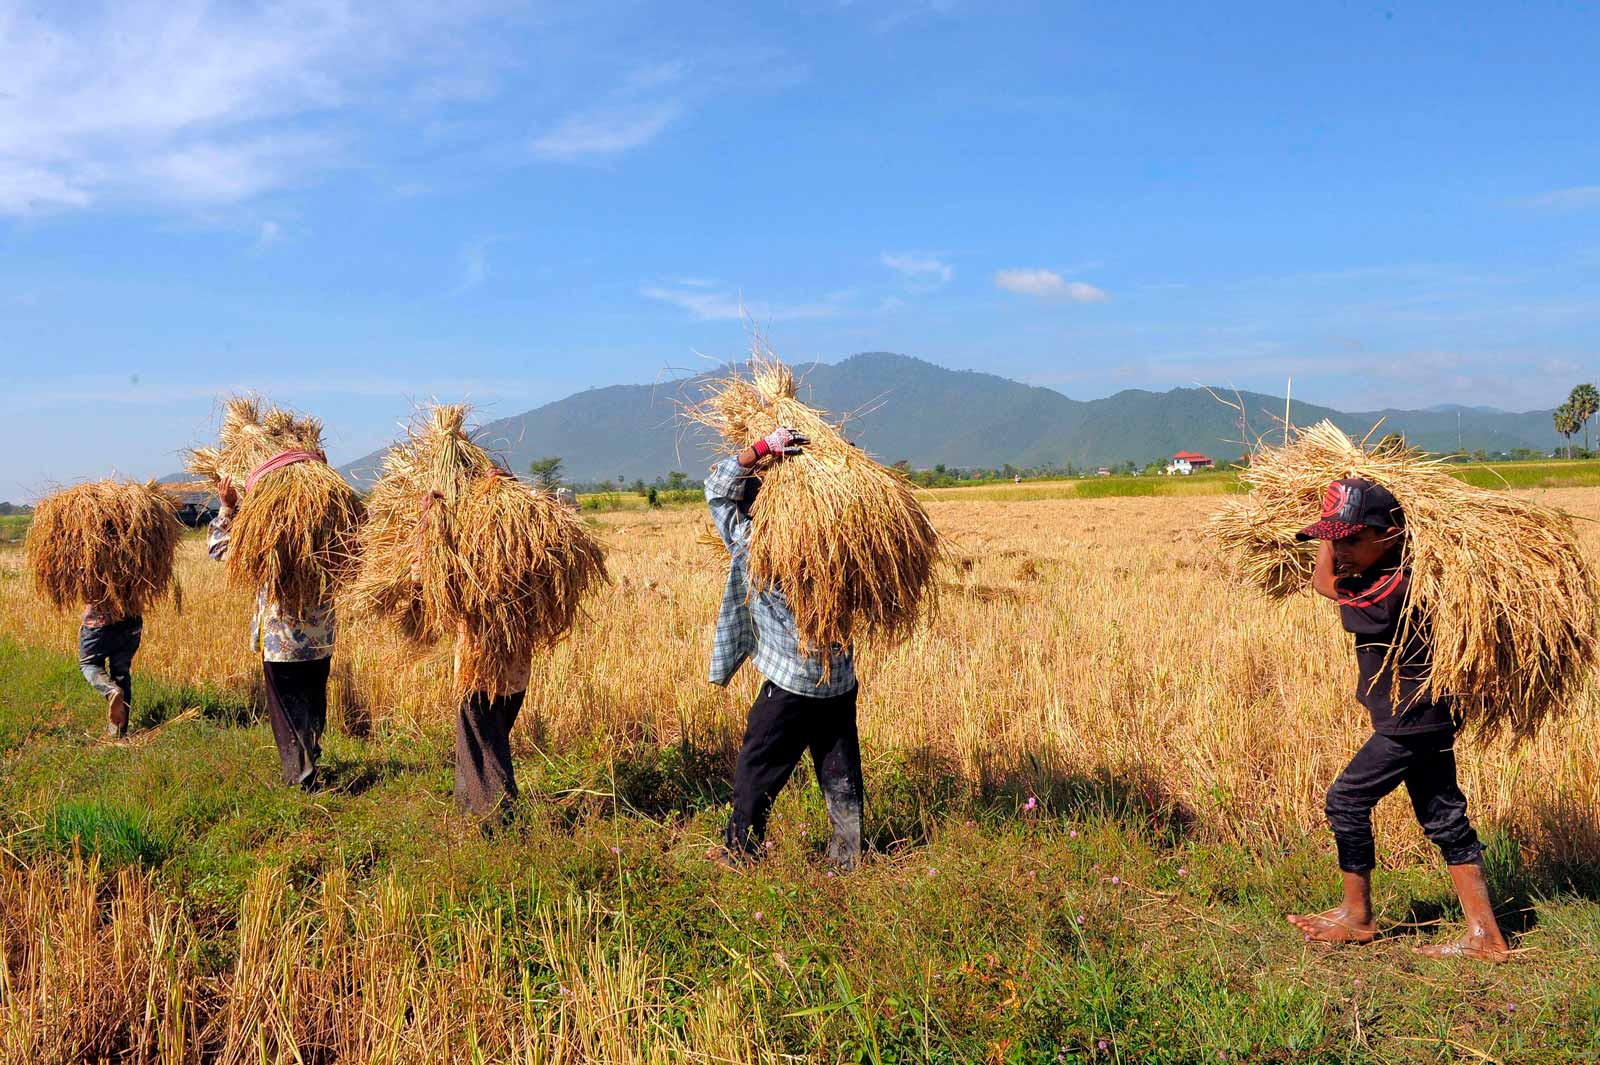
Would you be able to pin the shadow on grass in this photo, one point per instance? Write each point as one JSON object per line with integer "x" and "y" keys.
{"x": 1563, "y": 836}
{"x": 155, "y": 702}
{"x": 1549, "y": 847}
{"x": 907, "y": 792}
{"x": 677, "y": 781}
{"x": 354, "y": 776}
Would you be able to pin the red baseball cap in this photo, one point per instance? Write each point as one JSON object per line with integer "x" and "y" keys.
{"x": 1351, "y": 503}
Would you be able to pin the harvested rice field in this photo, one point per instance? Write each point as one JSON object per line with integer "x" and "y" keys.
{"x": 1094, "y": 785}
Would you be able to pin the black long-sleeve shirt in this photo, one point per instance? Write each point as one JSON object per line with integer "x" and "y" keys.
{"x": 1370, "y": 606}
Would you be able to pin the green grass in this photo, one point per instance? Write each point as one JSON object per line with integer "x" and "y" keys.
{"x": 959, "y": 941}
{"x": 13, "y": 527}
{"x": 1578, "y": 473}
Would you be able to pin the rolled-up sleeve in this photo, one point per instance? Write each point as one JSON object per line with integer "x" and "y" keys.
{"x": 726, "y": 486}
{"x": 217, "y": 538}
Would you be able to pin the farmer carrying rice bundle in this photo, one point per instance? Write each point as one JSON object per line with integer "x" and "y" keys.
{"x": 287, "y": 530}
{"x": 455, "y": 547}
{"x": 108, "y": 546}
{"x": 1471, "y": 612}
{"x": 824, "y": 545}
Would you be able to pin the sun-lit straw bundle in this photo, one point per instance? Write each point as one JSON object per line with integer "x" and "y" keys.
{"x": 295, "y": 530}
{"x": 1501, "y": 580}
{"x": 106, "y": 543}
{"x": 842, "y": 536}
{"x": 491, "y": 560}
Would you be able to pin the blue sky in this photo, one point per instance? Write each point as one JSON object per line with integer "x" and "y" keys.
{"x": 357, "y": 205}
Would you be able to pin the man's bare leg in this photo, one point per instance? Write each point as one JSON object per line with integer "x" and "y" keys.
{"x": 1350, "y": 922}
{"x": 1482, "y": 940}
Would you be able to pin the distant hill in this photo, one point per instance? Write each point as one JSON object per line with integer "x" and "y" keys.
{"x": 905, "y": 408}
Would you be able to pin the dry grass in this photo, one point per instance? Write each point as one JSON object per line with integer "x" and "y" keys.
{"x": 1500, "y": 580}
{"x": 454, "y": 546}
{"x": 98, "y": 968}
{"x": 844, "y": 538}
{"x": 108, "y": 543}
{"x": 295, "y": 532}
{"x": 1129, "y": 648}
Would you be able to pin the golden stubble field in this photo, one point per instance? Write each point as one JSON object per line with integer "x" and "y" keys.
{"x": 1073, "y": 638}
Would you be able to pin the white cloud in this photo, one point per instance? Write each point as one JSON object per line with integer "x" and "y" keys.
{"x": 215, "y": 172}
{"x": 268, "y": 233}
{"x": 722, "y": 304}
{"x": 919, "y": 270}
{"x": 606, "y": 130}
{"x": 905, "y": 12}
{"x": 1576, "y": 198}
{"x": 649, "y": 99}
{"x": 474, "y": 265}
{"x": 1047, "y": 284}
{"x": 191, "y": 100}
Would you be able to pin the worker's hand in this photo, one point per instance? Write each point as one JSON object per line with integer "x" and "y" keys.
{"x": 781, "y": 442}
{"x": 227, "y": 494}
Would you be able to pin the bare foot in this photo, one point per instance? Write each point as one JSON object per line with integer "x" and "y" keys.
{"x": 1334, "y": 926}
{"x": 117, "y": 707}
{"x": 1478, "y": 945}
{"x": 725, "y": 860}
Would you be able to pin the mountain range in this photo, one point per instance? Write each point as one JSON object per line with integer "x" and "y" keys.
{"x": 899, "y": 407}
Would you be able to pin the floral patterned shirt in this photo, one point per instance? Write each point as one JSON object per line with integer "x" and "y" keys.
{"x": 276, "y": 635}
{"x": 95, "y": 618}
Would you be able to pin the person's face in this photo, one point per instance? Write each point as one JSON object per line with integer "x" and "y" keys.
{"x": 1359, "y": 553}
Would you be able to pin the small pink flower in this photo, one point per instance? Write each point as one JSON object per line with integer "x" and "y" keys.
{"x": 1511, "y": 1007}
{"x": 830, "y": 872}
{"x": 1080, "y": 918}
{"x": 768, "y": 844}
{"x": 972, "y": 824}
{"x": 616, "y": 850}
{"x": 1073, "y": 833}
{"x": 1031, "y": 805}
{"x": 758, "y": 915}
{"x": 1103, "y": 1045}
{"x": 566, "y": 992}
{"x": 1032, "y": 875}
{"x": 1183, "y": 872}
{"x": 1116, "y": 880}
{"x": 930, "y": 870}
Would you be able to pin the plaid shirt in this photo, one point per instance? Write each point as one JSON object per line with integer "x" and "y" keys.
{"x": 759, "y": 626}
{"x": 277, "y": 636}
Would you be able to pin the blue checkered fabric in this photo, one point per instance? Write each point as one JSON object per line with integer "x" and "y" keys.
{"x": 759, "y": 626}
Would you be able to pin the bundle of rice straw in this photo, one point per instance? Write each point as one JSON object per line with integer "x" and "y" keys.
{"x": 110, "y": 544}
{"x": 843, "y": 537}
{"x": 1500, "y": 580}
{"x": 493, "y": 561}
{"x": 295, "y": 530}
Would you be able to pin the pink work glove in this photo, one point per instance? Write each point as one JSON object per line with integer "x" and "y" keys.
{"x": 781, "y": 441}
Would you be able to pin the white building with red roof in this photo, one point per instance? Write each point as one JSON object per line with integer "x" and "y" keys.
{"x": 1186, "y": 462}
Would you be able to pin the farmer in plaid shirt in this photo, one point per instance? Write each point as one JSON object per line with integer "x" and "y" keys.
{"x": 806, "y": 701}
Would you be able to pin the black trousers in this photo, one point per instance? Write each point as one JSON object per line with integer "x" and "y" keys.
{"x": 485, "y": 782}
{"x": 105, "y": 655}
{"x": 1426, "y": 765}
{"x": 297, "y": 706}
{"x": 781, "y": 728}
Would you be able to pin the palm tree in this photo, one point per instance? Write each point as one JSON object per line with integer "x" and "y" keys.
{"x": 1567, "y": 423}
{"x": 1585, "y": 404}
